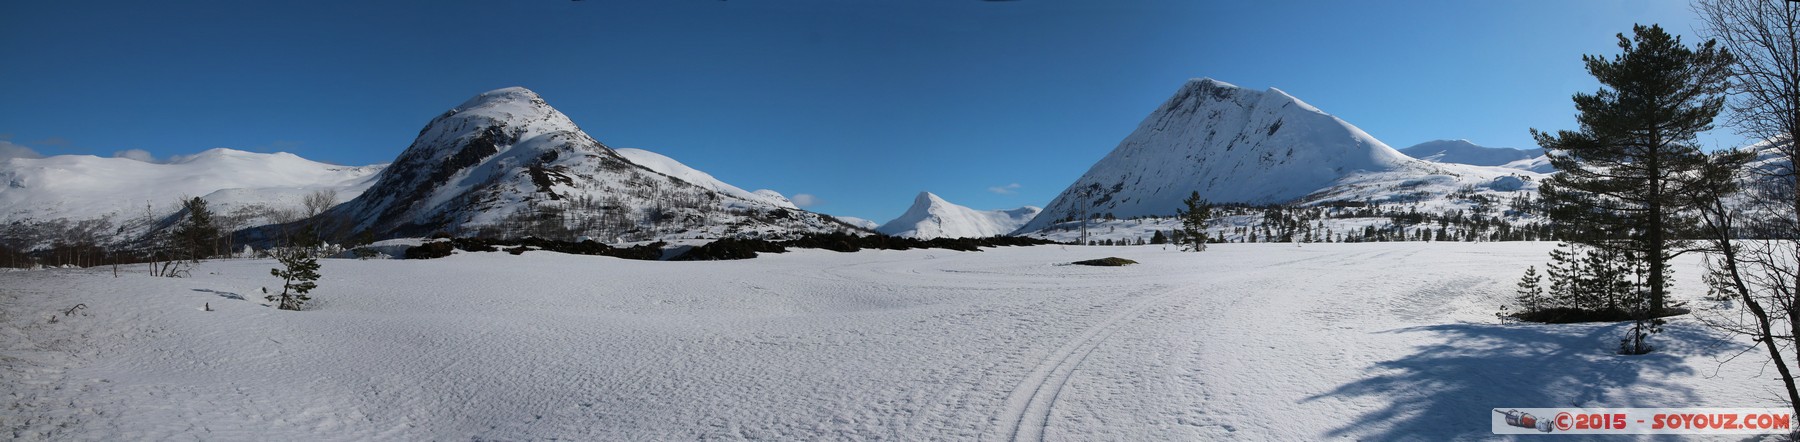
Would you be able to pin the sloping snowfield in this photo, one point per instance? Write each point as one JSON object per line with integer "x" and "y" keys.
{"x": 1246, "y": 341}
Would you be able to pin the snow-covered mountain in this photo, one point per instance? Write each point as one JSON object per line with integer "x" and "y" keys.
{"x": 668, "y": 166}
{"x": 1466, "y": 152}
{"x": 505, "y": 160}
{"x": 1236, "y": 145}
{"x": 113, "y": 196}
{"x": 932, "y": 217}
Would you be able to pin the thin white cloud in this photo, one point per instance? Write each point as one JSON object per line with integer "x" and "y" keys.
{"x": 805, "y": 199}
{"x": 1008, "y": 189}
{"x": 136, "y": 154}
{"x": 9, "y": 150}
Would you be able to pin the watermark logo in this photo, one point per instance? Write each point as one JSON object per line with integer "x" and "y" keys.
{"x": 1641, "y": 420}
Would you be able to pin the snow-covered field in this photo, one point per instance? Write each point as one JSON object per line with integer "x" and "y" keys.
{"x": 1374, "y": 341}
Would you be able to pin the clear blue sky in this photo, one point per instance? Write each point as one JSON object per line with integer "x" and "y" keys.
{"x": 860, "y": 103}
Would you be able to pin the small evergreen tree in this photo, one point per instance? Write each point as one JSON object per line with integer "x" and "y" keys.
{"x": 196, "y": 237}
{"x": 1195, "y": 214}
{"x": 1531, "y": 290}
{"x": 1158, "y": 238}
{"x": 1562, "y": 269}
{"x": 301, "y": 269}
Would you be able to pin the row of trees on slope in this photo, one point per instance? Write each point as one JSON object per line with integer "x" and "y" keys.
{"x": 1636, "y": 190}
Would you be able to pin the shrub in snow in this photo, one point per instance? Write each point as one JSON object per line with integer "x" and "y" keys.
{"x": 299, "y": 271}
{"x": 431, "y": 250}
{"x": 1106, "y": 262}
{"x": 730, "y": 248}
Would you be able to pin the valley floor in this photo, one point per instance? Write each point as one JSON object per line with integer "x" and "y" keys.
{"x": 1376, "y": 341}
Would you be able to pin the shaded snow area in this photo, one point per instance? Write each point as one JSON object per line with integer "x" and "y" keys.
{"x": 1377, "y": 341}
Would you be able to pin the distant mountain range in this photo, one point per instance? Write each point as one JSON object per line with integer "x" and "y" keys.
{"x": 505, "y": 163}
{"x": 85, "y": 198}
{"x": 1465, "y": 152}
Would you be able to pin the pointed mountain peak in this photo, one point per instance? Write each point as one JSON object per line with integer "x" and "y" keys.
{"x": 928, "y": 199}
{"x": 486, "y": 165}
{"x": 1210, "y": 82}
{"x": 502, "y": 95}
{"x": 1230, "y": 144}
{"x": 932, "y": 216}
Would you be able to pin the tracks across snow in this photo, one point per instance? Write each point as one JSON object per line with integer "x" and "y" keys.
{"x": 1256, "y": 341}
{"x": 1028, "y": 408}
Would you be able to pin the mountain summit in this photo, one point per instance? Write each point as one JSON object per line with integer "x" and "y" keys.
{"x": 932, "y": 217}
{"x": 1231, "y": 144}
{"x": 505, "y": 163}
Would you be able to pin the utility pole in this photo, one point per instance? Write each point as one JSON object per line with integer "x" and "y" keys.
{"x": 1086, "y": 194}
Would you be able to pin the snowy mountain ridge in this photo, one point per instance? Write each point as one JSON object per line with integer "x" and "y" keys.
{"x": 1467, "y": 152}
{"x": 506, "y": 160}
{"x": 108, "y": 196}
{"x": 1239, "y": 146}
{"x": 932, "y": 217}
{"x": 668, "y": 166}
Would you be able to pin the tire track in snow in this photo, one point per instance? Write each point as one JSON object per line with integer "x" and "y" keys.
{"x": 1028, "y": 407}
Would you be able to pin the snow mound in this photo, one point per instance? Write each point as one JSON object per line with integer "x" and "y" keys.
{"x": 932, "y": 217}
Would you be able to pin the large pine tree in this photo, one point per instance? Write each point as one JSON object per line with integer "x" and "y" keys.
{"x": 1629, "y": 173}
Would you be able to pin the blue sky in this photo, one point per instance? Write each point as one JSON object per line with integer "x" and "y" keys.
{"x": 859, "y": 103}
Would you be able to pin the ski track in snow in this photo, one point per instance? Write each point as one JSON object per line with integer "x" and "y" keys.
{"x": 1035, "y": 399}
{"x": 1253, "y": 341}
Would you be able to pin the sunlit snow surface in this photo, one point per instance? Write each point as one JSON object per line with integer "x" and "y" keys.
{"x": 1377, "y": 341}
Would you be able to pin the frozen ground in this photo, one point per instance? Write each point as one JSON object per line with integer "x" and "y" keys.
{"x": 1246, "y": 341}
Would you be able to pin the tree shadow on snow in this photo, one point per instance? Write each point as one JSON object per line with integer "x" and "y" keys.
{"x": 222, "y": 294}
{"x": 1449, "y": 390}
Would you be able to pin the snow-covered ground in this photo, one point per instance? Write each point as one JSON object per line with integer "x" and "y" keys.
{"x": 1374, "y": 341}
